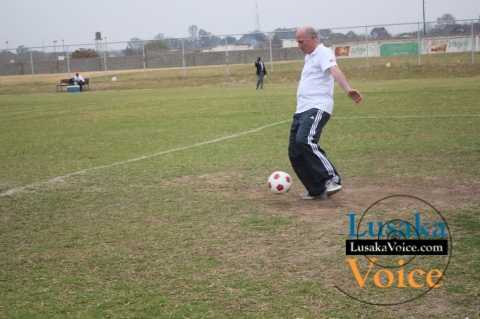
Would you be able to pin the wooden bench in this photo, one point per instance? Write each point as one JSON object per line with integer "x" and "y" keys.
{"x": 62, "y": 85}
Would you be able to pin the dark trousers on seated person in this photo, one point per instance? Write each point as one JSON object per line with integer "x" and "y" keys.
{"x": 308, "y": 160}
{"x": 80, "y": 84}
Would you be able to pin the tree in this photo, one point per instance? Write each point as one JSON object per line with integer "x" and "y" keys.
{"x": 193, "y": 32}
{"x": 325, "y": 34}
{"x": 203, "y": 33}
{"x": 335, "y": 37}
{"x": 156, "y": 45}
{"x": 253, "y": 39}
{"x": 285, "y": 33}
{"x": 446, "y": 25}
{"x": 230, "y": 40}
{"x": 204, "y": 38}
{"x": 276, "y": 41}
{"x": 174, "y": 43}
{"x": 159, "y": 36}
{"x": 351, "y": 35}
{"x": 208, "y": 40}
{"x": 22, "y": 50}
{"x": 447, "y": 18}
{"x": 379, "y": 33}
{"x": 84, "y": 53}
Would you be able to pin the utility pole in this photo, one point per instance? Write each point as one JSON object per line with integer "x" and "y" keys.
{"x": 424, "y": 23}
{"x": 55, "y": 54}
{"x": 257, "y": 17}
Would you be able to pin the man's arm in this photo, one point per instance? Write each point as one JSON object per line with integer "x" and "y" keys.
{"x": 342, "y": 81}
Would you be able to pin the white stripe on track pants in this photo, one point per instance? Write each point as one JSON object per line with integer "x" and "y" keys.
{"x": 308, "y": 160}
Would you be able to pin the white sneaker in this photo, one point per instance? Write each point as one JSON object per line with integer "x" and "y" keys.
{"x": 332, "y": 187}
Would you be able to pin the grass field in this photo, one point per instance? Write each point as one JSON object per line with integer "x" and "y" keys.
{"x": 190, "y": 229}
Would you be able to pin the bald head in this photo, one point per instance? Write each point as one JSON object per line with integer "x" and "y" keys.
{"x": 307, "y": 39}
{"x": 308, "y": 32}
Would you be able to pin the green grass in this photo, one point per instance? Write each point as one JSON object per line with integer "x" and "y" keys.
{"x": 194, "y": 233}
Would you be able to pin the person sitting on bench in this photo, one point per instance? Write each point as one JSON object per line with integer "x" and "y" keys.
{"x": 79, "y": 80}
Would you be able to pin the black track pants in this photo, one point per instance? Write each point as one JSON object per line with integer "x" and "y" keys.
{"x": 307, "y": 158}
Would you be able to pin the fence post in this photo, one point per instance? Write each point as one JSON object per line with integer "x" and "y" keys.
{"x": 419, "y": 50}
{"x": 366, "y": 45}
{"x": 144, "y": 57}
{"x": 473, "y": 44}
{"x": 31, "y": 62}
{"x": 227, "y": 62}
{"x": 184, "y": 68}
{"x": 68, "y": 60}
{"x": 271, "y": 54}
{"x": 105, "y": 67}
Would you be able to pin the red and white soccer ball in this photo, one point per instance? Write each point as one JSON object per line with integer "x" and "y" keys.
{"x": 279, "y": 182}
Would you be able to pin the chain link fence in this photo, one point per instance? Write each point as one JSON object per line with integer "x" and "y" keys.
{"x": 416, "y": 43}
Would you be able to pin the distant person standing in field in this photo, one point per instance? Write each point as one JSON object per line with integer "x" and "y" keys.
{"x": 79, "y": 80}
{"x": 314, "y": 108}
{"x": 261, "y": 72}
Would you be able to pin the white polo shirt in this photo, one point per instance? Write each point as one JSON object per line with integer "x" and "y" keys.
{"x": 78, "y": 78}
{"x": 315, "y": 89}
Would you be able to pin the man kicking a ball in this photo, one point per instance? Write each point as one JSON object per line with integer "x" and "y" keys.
{"x": 314, "y": 107}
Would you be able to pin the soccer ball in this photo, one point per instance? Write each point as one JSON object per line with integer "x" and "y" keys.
{"x": 279, "y": 182}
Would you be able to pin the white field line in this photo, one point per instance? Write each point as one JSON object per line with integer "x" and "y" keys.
{"x": 393, "y": 117}
{"x": 16, "y": 190}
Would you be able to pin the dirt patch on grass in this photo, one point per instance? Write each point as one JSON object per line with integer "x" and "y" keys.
{"x": 309, "y": 250}
{"x": 357, "y": 194}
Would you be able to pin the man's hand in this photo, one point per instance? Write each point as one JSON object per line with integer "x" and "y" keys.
{"x": 342, "y": 81}
{"x": 355, "y": 96}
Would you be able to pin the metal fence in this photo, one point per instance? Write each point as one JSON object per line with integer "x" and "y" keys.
{"x": 413, "y": 41}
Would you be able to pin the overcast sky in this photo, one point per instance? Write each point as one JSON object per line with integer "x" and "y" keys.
{"x": 39, "y": 22}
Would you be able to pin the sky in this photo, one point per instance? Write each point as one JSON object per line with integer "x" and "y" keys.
{"x": 35, "y": 23}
